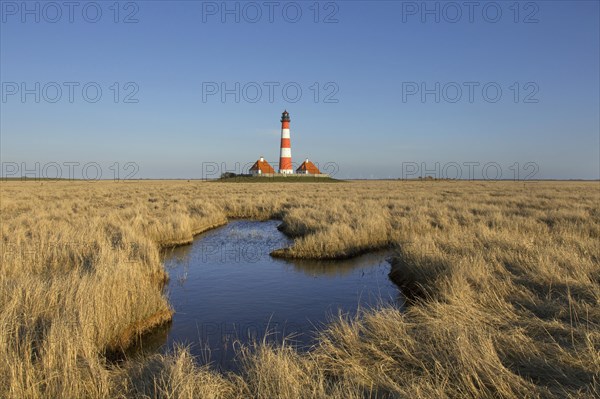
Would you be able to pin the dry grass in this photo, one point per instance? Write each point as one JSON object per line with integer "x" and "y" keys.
{"x": 504, "y": 279}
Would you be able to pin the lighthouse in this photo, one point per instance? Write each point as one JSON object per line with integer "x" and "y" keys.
{"x": 285, "y": 157}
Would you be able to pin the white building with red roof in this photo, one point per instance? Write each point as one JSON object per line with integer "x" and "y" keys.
{"x": 308, "y": 168}
{"x": 261, "y": 168}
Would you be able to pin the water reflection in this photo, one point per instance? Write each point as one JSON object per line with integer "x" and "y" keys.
{"x": 339, "y": 268}
{"x": 226, "y": 288}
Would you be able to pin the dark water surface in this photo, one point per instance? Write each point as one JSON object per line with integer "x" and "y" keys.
{"x": 225, "y": 287}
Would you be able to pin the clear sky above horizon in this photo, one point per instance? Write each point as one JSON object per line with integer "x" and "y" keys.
{"x": 366, "y": 114}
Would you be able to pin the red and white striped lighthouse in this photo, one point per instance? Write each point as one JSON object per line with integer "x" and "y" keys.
{"x": 285, "y": 157}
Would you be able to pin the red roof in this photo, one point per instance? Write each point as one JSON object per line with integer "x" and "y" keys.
{"x": 263, "y": 166}
{"x": 309, "y": 167}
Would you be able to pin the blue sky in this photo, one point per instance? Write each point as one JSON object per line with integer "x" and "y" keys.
{"x": 365, "y": 56}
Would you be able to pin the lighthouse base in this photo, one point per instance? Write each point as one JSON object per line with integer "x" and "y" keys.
{"x": 286, "y": 171}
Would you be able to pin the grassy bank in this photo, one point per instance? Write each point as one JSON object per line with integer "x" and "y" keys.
{"x": 504, "y": 276}
{"x": 278, "y": 179}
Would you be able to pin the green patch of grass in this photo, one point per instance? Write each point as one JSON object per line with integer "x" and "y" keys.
{"x": 277, "y": 179}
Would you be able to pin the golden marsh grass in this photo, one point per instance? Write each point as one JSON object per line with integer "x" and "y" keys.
{"x": 504, "y": 281}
